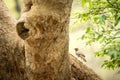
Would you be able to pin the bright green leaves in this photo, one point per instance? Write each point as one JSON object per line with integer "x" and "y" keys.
{"x": 113, "y": 51}
{"x": 88, "y": 30}
{"x": 100, "y": 19}
{"x": 117, "y": 33}
{"x": 104, "y": 18}
{"x": 84, "y": 2}
{"x": 117, "y": 18}
{"x": 83, "y": 16}
{"x": 110, "y": 64}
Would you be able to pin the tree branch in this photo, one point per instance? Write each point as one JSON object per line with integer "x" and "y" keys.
{"x": 113, "y": 6}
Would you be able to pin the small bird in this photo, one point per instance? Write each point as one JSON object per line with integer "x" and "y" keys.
{"x": 79, "y": 54}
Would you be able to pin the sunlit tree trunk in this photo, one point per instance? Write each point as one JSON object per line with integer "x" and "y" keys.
{"x": 44, "y": 27}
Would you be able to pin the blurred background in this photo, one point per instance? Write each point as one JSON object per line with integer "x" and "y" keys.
{"x": 76, "y": 31}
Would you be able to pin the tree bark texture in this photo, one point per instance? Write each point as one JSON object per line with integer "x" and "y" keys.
{"x": 44, "y": 28}
{"x": 11, "y": 48}
{"x": 44, "y": 56}
{"x": 80, "y": 71}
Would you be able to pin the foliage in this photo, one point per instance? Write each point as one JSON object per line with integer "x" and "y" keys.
{"x": 103, "y": 17}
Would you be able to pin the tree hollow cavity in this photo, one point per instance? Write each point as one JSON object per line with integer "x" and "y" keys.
{"x": 22, "y": 31}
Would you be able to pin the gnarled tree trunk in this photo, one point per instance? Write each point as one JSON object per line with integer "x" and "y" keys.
{"x": 44, "y": 55}
{"x": 44, "y": 27}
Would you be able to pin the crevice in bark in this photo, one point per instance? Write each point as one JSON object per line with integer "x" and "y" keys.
{"x": 22, "y": 31}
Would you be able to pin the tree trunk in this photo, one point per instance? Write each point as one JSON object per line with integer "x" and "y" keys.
{"x": 44, "y": 28}
{"x": 11, "y": 48}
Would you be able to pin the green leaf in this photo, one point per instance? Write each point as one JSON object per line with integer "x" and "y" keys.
{"x": 117, "y": 19}
{"x": 105, "y": 63}
{"x": 102, "y": 18}
{"x": 99, "y": 37}
{"x": 96, "y": 19}
{"x": 88, "y": 30}
{"x": 117, "y": 33}
{"x": 97, "y": 54}
{"x": 83, "y": 2}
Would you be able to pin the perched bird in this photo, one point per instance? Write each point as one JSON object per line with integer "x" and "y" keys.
{"x": 79, "y": 54}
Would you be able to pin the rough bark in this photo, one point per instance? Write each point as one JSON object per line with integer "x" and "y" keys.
{"x": 46, "y": 44}
{"x": 44, "y": 27}
{"x": 80, "y": 71}
{"x": 11, "y": 60}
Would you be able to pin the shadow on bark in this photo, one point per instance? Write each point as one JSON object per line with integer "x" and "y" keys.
{"x": 12, "y": 53}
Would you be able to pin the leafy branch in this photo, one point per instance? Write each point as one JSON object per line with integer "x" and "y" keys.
{"x": 104, "y": 16}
